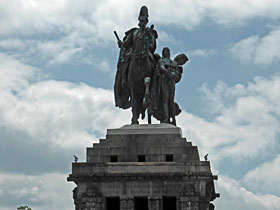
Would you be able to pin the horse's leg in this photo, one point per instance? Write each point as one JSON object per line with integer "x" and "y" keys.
{"x": 135, "y": 114}
{"x": 147, "y": 97}
{"x": 147, "y": 100}
{"x": 149, "y": 118}
{"x": 147, "y": 81}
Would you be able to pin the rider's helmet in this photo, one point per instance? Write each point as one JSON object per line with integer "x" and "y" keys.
{"x": 143, "y": 15}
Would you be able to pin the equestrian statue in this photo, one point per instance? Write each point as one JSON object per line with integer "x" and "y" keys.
{"x": 144, "y": 80}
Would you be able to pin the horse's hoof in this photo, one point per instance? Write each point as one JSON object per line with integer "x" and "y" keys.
{"x": 134, "y": 122}
{"x": 165, "y": 121}
{"x": 142, "y": 116}
{"x": 145, "y": 102}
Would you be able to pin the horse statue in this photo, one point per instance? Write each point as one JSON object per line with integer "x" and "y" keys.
{"x": 135, "y": 68}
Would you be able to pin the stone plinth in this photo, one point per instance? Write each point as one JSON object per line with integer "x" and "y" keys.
{"x": 143, "y": 167}
{"x": 146, "y": 129}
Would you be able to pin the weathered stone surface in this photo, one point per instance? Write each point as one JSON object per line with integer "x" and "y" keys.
{"x": 153, "y": 141}
{"x": 183, "y": 177}
{"x": 162, "y": 128}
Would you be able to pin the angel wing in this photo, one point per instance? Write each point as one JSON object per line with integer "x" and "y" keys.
{"x": 181, "y": 59}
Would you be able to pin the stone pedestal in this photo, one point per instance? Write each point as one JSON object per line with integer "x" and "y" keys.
{"x": 147, "y": 166}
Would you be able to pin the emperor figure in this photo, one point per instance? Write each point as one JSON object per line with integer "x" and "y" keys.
{"x": 135, "y": 67}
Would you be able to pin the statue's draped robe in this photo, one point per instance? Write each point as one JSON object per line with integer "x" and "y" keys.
{"x": 121, "y": 91}
{"x": 163, "y": 87}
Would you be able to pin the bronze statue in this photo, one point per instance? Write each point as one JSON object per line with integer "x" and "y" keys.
{"x": 166, "y": 75}
{"x": 144, "y": 80}
{"x": 135, "y": 67}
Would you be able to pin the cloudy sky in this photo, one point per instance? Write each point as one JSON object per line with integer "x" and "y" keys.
{"x": 57, "y": 66}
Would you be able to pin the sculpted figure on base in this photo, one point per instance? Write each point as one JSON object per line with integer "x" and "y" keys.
{"x": 144, "y": 80}
{"x": 135, "y": 67}
{"x": 167, "y": 74}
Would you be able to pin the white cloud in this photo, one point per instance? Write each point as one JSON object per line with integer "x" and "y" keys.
{"x": 31, "y": 17}
{"x": 30, "y": 26}
{"x": 54, "y": 32}
{"x": 65, "y": 55}
{"x": 245, "y": 49}
{"x": 61, "y": 113}
{"x": 259, "y": 50}
{"x": 11, "y": 44}
{"x": 104, "y": 66}
{"x": 14, "y": 74}
{"x": 96, "y": 19}
{"x": 234, "y": 196}
{"x": 240, "y": 11}
{"x": 205, "y": 53}
{"x": 48, "y": 52}
{"x": 102, "y": 16}
{"x": 245, "y": 123}
{"x": 189, "y": 14}
{"x": 265, "y": 177}
{"x": 38, "y": 192}
{"x": 166, "y": 38}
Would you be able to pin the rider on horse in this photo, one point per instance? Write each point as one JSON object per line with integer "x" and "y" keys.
{"x": 138, "y": 43}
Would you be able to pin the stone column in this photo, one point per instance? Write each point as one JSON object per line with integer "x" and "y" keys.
{"x": 154, "y": 203}
{"x": 189, "y": 203}
{"x": 126, "y": 203}
{"x": 94, "y": 203}
{"x": 205, "y": 205}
